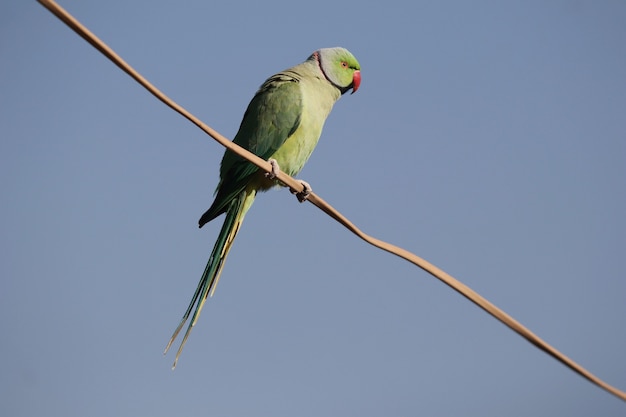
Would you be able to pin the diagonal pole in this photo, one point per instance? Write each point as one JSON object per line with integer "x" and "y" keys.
{"x": 296, "y": 186}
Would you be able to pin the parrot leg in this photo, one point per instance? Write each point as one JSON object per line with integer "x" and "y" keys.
{"x": 303, "y": 195}
{"x": 275, "y": 169}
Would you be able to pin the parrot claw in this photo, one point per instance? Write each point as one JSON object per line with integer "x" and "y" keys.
{"x": 275, "y": 169}
{"x": 303, "y": 195}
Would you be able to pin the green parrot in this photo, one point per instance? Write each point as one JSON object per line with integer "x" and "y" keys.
{"x": 282, "y": 124}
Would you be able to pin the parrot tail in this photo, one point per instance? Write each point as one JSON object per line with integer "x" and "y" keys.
{"x": 211, "y": 275}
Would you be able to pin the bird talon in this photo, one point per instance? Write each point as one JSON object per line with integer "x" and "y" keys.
{"x": 275, "y": 169}
{"x": 303, "y": 195}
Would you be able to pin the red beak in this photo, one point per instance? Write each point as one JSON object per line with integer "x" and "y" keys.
{"x": 356, "y": 81}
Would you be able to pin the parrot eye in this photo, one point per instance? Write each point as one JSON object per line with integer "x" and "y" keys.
{"x": 344, "y": 64}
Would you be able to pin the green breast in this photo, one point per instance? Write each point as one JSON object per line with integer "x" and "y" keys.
{"x": 318, "y": 97}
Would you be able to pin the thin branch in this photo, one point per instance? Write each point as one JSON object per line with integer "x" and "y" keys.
{"x": 328, "y": 209}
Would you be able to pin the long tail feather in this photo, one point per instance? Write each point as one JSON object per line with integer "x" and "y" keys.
{"x": 211, "y": 275}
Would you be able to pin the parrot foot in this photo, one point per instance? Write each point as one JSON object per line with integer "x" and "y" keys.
{"x": 303, "y": 195}
{"x": 275, "y": 169}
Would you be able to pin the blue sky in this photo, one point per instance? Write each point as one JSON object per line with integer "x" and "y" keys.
{"x": 487, "y": 137}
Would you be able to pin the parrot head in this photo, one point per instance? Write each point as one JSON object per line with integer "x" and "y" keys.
{"x": 339, "y": 67}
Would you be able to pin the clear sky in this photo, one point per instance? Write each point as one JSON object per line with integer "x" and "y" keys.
{"x": 488, "y": 137}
